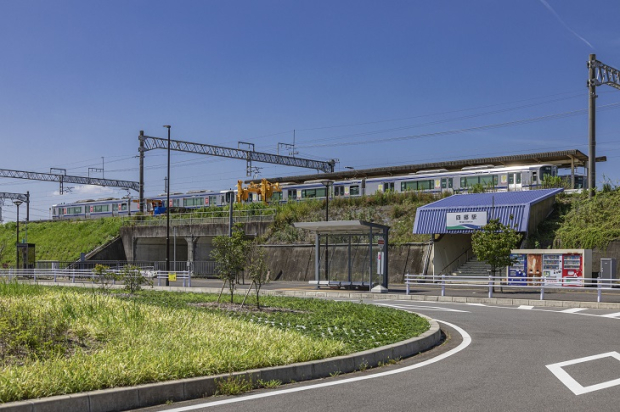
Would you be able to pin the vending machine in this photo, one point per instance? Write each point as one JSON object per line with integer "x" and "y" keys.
{"x": 552, "y": 269}
{"x": 557, "y": 267}
{"x": 572, "y": 270}
{"x": 518, "y": 271}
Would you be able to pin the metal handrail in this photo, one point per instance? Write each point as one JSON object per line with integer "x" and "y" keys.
{"x": 490, "y": 282}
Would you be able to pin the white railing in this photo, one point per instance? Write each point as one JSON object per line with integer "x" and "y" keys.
{"x": 87, "y": 275}
{"x": 522, "y": 283}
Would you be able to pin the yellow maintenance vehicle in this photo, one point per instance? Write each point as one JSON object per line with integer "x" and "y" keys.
{"x": 265, "y": 189}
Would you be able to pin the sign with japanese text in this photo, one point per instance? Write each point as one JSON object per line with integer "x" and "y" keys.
{"x": 465, "y": 220}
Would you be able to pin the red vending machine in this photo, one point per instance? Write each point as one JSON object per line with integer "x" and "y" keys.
{"x": 572, "y": 270}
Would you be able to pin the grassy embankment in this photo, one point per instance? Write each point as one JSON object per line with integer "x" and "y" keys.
{"x": 59, "y": 340}
{"x": 581, "y": 223}
{"x": 61, "y": 240}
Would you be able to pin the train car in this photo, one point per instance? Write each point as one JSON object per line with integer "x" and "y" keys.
{"x": 488, "y": 177}
{"x": 92, "y": 209}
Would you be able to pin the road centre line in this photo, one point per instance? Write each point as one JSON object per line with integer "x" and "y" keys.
{"x": 464, "y": 344}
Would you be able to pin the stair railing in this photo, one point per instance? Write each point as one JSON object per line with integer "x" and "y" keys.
{"x": 457, "y": 261}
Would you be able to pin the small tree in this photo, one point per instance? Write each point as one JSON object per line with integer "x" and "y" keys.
{"x": 229, "y": 256}
{"x": 104, "y": 277}
{"x": 134, "y": 279}
{"x": 493, "y": 243}
{"x": 256, "y": 268}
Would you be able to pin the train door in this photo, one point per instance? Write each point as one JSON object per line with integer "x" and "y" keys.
{"x": 388, "y": 186}
{"x": 514, "y": 181}
{"x": 446, "y": 184}
{"x": 87, "y": 211}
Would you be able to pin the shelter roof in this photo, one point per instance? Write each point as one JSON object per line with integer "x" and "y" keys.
{"x": 511, "y": 208}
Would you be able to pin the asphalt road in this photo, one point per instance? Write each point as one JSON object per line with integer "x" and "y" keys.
{"x": 496, "y": 359}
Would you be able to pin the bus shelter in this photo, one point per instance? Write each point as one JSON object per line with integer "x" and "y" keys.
{"x": 375, "y": 254}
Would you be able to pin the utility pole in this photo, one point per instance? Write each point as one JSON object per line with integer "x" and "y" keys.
{"x": 591, "y": 125}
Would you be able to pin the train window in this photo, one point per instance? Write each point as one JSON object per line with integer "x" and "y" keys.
{"x": 276, "y": 196}
{"x": 546, "y": 171}
{"x": 404, "y": 186}
{"x": 354, "y": 190}
{"x": 426, "y": 185}
{"x": 446, "y": 183}
{"x": 534, "y": 177}
{"x": 489, "y": 180}
{"x": 124, "y": 206}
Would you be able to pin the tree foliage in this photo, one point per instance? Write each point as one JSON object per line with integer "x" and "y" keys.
{"x": 229, "y": 255}
{"x": 256, "y": 268}
{"x": 493, "y": 243}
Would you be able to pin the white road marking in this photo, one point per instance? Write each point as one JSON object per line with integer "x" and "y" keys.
{"x": 572, "y": 310}
{"x": 612, "y": 315}
{"x": 526, "y": 307}
{"x": 421, "y": 307}
{"x": 463, "y": 345}
{"x": 477, "y": 304}
{"x": 575, "y": 386}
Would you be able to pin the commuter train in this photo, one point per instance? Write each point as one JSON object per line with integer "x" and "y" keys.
{"x": 497, "y": 178}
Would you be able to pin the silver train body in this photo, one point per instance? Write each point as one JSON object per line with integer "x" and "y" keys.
{"x": 504, "y": 178}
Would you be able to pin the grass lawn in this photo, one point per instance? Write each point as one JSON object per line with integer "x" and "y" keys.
{"x": 60, "y": 340}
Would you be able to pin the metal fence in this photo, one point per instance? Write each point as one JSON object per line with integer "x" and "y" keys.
{"x": 88, "y": 275}
{"x": 198, "y": 268}
{"x": 491, "y": 283}
{"x": 183, "y": 219}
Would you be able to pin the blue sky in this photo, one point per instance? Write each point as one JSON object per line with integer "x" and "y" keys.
{"x": 80, "y": 79}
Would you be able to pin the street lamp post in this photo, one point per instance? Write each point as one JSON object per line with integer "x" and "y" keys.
{"x": 168, "y": 212}
{"x": 327, "y": 183}
{"x": 17, "y": 203}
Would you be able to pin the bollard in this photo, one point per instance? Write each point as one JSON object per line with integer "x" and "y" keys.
{"x": 599, "y": 290}
{"x": 490, "y": 287}
{"x": 542, "y": 291}
{"x": 443, "y": 285}
{"x": 407, "y": 286}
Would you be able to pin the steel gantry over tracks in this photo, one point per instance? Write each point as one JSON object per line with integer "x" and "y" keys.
{"x": 150, "y": 143}
{"x": 63, "y": 178}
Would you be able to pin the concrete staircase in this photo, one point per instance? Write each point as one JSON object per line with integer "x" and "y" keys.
{"x": 473, "y": 268}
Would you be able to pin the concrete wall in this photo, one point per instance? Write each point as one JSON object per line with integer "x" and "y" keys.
{"x": 113, "y": 250}
{"x": 449, "y": 252}
{"x": 296, "y": 262}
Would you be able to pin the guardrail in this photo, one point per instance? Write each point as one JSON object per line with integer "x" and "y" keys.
{"x": 522, "y": 283}
{"x": 87, "y": 275}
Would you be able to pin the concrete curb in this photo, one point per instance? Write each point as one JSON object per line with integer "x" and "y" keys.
{"x": 119, "y": 399}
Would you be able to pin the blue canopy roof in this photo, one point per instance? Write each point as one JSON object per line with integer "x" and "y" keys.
{"x": 431, "y": 218}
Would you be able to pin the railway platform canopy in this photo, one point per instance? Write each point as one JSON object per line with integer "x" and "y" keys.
{"x": 565, "y": 159}
{"x": 376, "y": 257}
